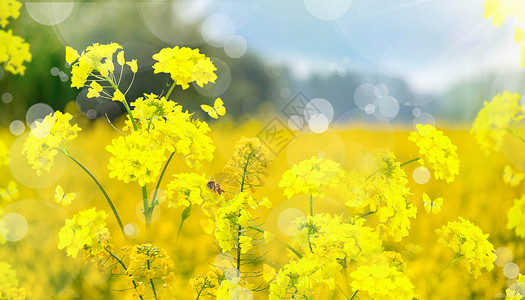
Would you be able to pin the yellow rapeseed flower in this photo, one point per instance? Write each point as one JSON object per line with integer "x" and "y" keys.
{"x": 185, "y": 65}
{"x": 436, "y": 152}
{"x": 495, "y": 120}
{"x": 86, "y": 230}
{"x": 9, "y": 9}
{"x": 45, "y": 140}
{"x": 14, "y": 51}
{"x": 469, "y": 244}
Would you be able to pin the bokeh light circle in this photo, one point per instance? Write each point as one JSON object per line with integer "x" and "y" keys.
{"x": 318, "y": 123}
{"x": 370, "y": 109}
{"x": 235, "y": 46}
{"x": 15, "y": 226}
{"x": 421, "y": 175}
{"x": 54, "y": 71}
{"x": 511, "y": 270}
{"x": 381, "y": 90}
{"x": 364, "y": 95}
{"x": 38, "y": 112}
{"x": 503, "y": 256}
{"x": 319, "y": 105}
{"x": 222, "y": 83}
{"x": 17, "y": 127}
{"x": 424, "y": 119}
{"x": 25, "y": 174}
{"x": 132, "y": 230}
{"x": 388, "y": 107}
{"x": 7, "y": 97}
{"x": 165, "y": 20}
{"x": 286, "y": 221}
{"x": 232, "y": 275}
{"x": 416, "y": 111}
{"x": 216, "y": 29}
{"x": 49, "y": 13}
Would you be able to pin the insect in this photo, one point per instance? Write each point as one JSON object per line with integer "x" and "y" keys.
{"x": 215, "y": 187}
{"x": 217, "y": 110}
{"x": 433, "y": 206}
{"x": 64, "y": 199}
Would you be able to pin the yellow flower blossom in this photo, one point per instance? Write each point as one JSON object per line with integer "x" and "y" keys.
{"x": 249, "y": 163}
{"x": 384, "y": 278}
{"x": 189, "y": 189}
{"x": 134, "y": 158}
{"x": 436, "y": 152}
{"x": 51, "y": 134}
{"x": 14, "y": 51}
{"x": 185, "y": 65}
{"x": 96, "y": 58}
{"x": 173, "y": 129}
{"x": 500, "y": 10}
{"x": 9, "y": 9}
{"x": 468, "y": 242}
{"x": 312, "y": 177}
{"x": 495, "y": 120}
{"x": 86, "y": 230}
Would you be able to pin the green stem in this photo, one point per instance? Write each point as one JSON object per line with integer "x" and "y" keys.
{"x": 169, "y": 92}
{"x": 514, "y": 132}
{"x": 311, "y": 205}
{"x": 185, "y": 214}
{"x": 367, "y": 214}
{"x": 409, "y": 162}
{"x": 154, "y": 201}
{"x": 147, "y": 209}
{"x": 297, "y": 253}
{"x": 458, "y": 255}
{"x": 151, "y": 282}
{"x": 99, "y": 186}
{"x": 124, "y": 267}
{"x": 354, "y": 294}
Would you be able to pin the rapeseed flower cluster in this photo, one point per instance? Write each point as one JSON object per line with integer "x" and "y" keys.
{"x": 190, "y": 189}
{"x": 86, "y": 230}
{"x": 312, "y": 177}
{"x": 172, "y": 129}
{"x": 436, "y": 152}
{"x": 496, "y": 119}
{"x": 185, "y": 65}
{"x": 249, "y": 163}
{"x": 469, "y": 244}
{"x": 134, "y": 159}
{"x": 517, "y": 290}
{"x": 97, "y": 61}
{"x": 512, "y": 178}
{"x": 383, "y": 278}
{"x": 14, "y": 51}
{"x": 149, "y": 265}
{"x": 387, "y": 194}
{"x": 47, "y": 138}
{"x": 9, "y": 9}
{"x": 206, "y": 287}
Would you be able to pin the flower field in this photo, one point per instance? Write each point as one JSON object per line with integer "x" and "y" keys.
{"x": 171, "y": 200}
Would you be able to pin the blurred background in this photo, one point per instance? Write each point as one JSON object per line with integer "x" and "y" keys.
{"x": 387, "y": 64}
{"x": 374, "y": 61}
